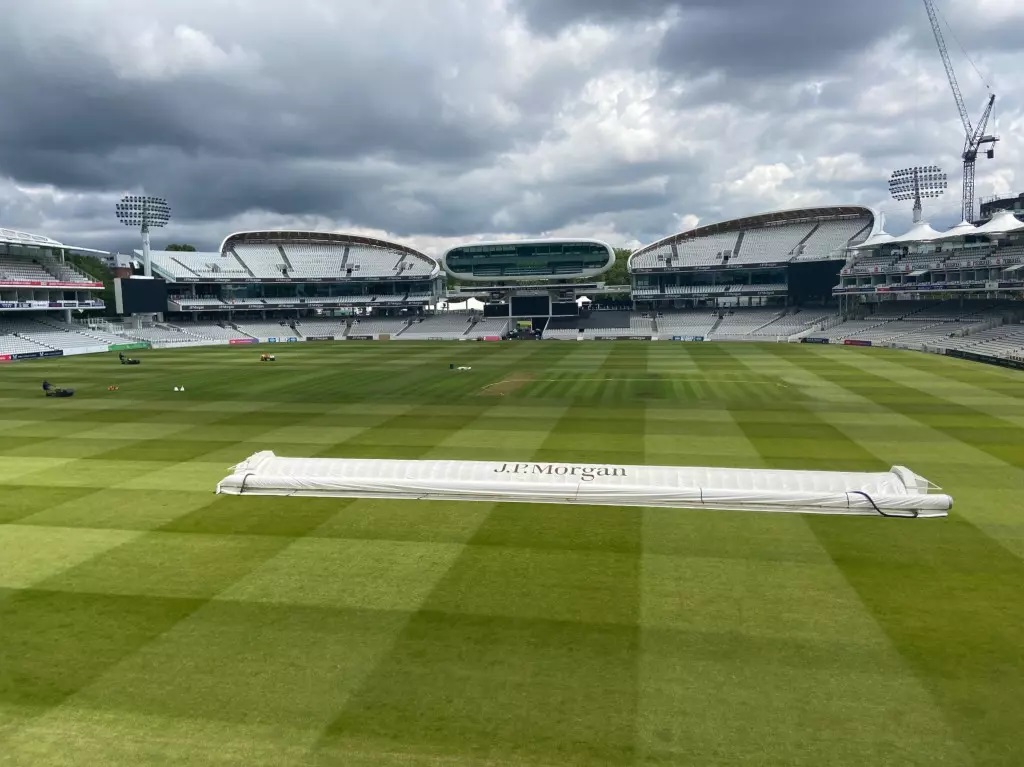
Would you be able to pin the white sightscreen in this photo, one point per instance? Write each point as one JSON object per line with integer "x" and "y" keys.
{"x": 898, "y": 491}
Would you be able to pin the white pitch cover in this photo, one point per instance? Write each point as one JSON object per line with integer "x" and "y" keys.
{"x": 897, "y": 492}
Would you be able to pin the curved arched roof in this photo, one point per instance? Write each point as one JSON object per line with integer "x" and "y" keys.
{"x": 14, "y": 237}
{"x": 298, "y": 237}
{"x": 792, "y": 216}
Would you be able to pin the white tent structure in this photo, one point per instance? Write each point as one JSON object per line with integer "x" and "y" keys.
{"x": 875, "y": 240}
{"x": 1002, "y": 222}
{"x": 897, "y": 492}
{"x": 963, "y": 229}
{"x": 922, "y": 232}
{"x": 470, "y": 304}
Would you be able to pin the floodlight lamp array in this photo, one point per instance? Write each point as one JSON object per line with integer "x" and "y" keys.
{"x": 917, "y": 182}
{"x": 143, "y": 210}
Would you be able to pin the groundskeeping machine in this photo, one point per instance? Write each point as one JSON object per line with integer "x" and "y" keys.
{"x": 898, "y": 492}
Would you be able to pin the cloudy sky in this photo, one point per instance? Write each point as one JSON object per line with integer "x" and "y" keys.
{"x": 436, "y": 121}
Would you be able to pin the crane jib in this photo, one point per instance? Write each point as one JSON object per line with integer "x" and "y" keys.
{"x": 974, "y": 138}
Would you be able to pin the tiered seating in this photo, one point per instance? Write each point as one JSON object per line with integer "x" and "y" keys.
{"x": 792, "y": 323}
{"x": 187, "y": 265}
{"x": 159, "y": 334}
{"x": 892, "y": 330}
{"x": 699, "y": 251}
{"x": 372, "y": 262}
{"x": 566, "y": 328}
{"x": 1002, "y": 341}
{"x": 743, "y": 322}
{"x": 12, "y": 344}
{"x": 326, "y": 327}
{"x": 19, "y": 270}
{"x": 93, "y": 336}
{"x": 652, "y": 258}
{"x": 268, "y": 329}
{"x": 867, "y": 264}
{"x": 492, "y": 326}
{"x": 52, "y": 336}
{"x": 614, "y": 324}
{"x": 65, "y": 272}
{"x": 315, "y": 261}
{"x": 770, "y": 244}
{"x": 209, "y": 331}
{"x": 705, "y": 251}
{"x": 438, "y": 326}
{"x": 167, "y": 265}
{"x": 695, "y": 323}
{"x": 261, "y": 260}
{"x": 377, "y": 326}
{"x": 412, "y": 266}
{"x": 831, "y": 237}
{"x": 849, "y": 329}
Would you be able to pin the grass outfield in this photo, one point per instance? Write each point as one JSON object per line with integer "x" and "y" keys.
{"x": 144, "y": 620}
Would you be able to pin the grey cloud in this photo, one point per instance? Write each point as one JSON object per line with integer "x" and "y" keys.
{"x": 429, "y": 124}
{"x": 551, "y": 16}
{"x": 755, "y": 39}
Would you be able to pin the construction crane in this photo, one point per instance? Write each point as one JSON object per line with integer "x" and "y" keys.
{"x": 974, "y": 137}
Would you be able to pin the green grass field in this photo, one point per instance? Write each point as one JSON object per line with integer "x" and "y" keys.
{"x": 145, "y": 620}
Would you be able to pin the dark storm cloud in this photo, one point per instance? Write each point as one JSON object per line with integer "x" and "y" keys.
{"x": 757, "y": 39}
{"x": 747, "y": 38}
{"x": 551, "y": 16}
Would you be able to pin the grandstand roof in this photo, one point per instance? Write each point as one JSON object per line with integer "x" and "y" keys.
{"x": 963, "y": 229}
{"x": 14, "y": 237}
{"x": 922, "y": 232}
{"x": 775, "y": 217}
{"x": 1002, "y": 222}
{"x": 285, "y": 236}
{"x": 879, "y": 238}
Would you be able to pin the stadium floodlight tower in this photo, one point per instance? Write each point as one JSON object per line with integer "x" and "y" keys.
{"x": 921, "y": 181}
{"x": 143, "y": 211}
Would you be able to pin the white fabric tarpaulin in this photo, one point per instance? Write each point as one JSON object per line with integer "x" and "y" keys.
{"x": 897, "y": 492}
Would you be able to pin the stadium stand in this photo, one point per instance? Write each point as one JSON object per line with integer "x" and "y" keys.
{"x": 614, "y": 324}
{"x": 264, "y": 261}
{"x": 438, "y": 327}
{"x": 376, "y": 326}
{"x": 770, "y": 244}
{"x": 794, "y": 322}
{"x": 695, "y": 324}
{"x": 322, "y": 327}
{"x": 1003, "y": 341}
{"x": 209, "y": 331}
{"x": 807, "y": 234}
{"x": 743, "y": 322}
{"x": 491, "y": 326}
{"x": 264, "y": 330}
{"x": 24, "y": 270}
{"x": 832, "y": 237}
{"x": 13, "y": 344}
{"x": 919, "y": 323}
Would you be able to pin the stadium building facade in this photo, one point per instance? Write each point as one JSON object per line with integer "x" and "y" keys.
{"x": 39, "y": 292}
{"x": 966, "y": 261}
{"x": 532, "y": 285}
{"x": 815, "y": 275}
{"x": 291, "y": 274}
{"x": 772, "y": 259}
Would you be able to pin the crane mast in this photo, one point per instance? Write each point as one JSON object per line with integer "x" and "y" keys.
{"x": 974, "y": 137}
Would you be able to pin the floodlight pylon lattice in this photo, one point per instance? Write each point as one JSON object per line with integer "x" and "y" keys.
{"x": 917, "y": 183}
{"x": 143, "y": 211}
